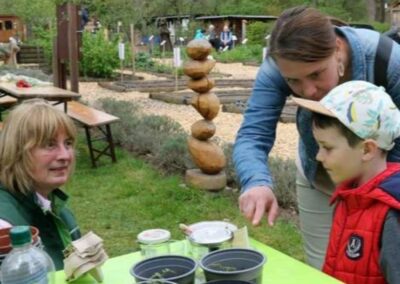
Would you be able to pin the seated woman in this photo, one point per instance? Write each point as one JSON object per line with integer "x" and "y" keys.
{"x": 36, "y": 158}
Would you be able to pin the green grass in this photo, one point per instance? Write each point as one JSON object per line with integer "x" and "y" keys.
{"x": 117, "y": 201}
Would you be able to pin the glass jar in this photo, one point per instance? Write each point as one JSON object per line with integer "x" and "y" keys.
{"x": 154, "y": 242}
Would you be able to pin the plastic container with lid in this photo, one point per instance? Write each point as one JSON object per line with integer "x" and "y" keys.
{"x": 154, "y": 242}
{"x": 26, "y": 263}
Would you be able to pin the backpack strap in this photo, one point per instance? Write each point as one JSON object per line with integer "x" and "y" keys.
{"x": 382, "y": 56}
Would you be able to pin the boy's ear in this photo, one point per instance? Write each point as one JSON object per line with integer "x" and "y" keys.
{"x": 370, "y": 149}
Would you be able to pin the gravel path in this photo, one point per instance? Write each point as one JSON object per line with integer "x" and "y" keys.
{"x": 227, "y": 123}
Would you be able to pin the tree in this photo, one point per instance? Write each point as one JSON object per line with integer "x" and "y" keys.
{"x": 33, "y": 13}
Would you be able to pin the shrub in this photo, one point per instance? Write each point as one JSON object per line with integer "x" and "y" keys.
{"x": 257, "y": 31}
{"x": 100, "y": 57}
{"x": 284, "y": 175}
{"x": 241, "y": 53}
{"x": 158, "y": 138}
{"x": 143, "y": 60}
{"x": 381, "y": 27}
{"x": 173, "y": 155}
{"x": 43, "y": 38}
{"x": 283, "y": 172}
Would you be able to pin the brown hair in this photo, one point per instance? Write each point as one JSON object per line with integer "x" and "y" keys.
{"x": 302, "y": 34}
{"x": 323, "y": 122}
{"x": 29, "y": 125}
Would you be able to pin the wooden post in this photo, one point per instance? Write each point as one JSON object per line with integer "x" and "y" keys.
{"x": 176, "y": 79}
{"x": 121, "y": 56}
{"x": 176, "y": 63}
{"x": 163, "y": 52}
{"x": 73, "y": 46}
{"x": 122, "y": 70}
{"x": 244, "y": 30}
{"x": 133, "y": 51}
{"x": 59, "y": 68}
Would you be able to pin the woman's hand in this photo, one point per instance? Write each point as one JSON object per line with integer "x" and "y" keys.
{"x": 256, "y": 202}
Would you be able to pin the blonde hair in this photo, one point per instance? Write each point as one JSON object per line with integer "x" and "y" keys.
{"x": 29, "y": 125}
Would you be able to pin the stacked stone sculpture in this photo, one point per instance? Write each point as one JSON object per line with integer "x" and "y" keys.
{"x": 206, "y": 154}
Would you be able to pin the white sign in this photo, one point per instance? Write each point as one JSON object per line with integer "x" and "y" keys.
{"x": 162, "y": 43}
{"x": 119, "y": 23}
{"x": 177, "y": 57}
{"x": 267, "y": 37}
{"x": 181, "y": 39}
{"x": 244, "y": 41}
{"x": 151, "y": 38}
{"x": 234, "y": 37}
{"x": 121, "y": 51}
{"x": 264, "y": 53}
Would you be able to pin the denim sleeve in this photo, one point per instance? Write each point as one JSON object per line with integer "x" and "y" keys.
{"x": 390, "y": 255}
{"x": 256, "y": 135}
{"x": 394, "y": 91}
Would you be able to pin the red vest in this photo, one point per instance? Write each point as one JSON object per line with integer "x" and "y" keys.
{"x": 354, "y": 243}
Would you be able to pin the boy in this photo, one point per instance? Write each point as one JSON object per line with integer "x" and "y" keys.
{"x": 355, "y": 125}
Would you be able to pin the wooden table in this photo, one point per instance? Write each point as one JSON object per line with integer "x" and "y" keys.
{"x": 279, "y": 269}
{"x": 49, "y": 93}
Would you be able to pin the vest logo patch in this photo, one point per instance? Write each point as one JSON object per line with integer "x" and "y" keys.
{"x": 354, "y": 249}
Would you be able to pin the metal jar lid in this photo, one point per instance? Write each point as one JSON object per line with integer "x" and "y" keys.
{"x": 154, "y": 236}
{"x": 210, "y": 236}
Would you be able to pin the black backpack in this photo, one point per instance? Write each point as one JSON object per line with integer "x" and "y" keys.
{"x": 383, "y": 55}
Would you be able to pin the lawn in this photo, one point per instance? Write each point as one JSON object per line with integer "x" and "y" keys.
{"x": 117, "y": 201}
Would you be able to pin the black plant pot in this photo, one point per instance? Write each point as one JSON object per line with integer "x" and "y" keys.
{"x": 174, "y": 268}
{"x": 234, "y": 264}
{"x": 156, "y": 282}
{"x": 228, "y": 282}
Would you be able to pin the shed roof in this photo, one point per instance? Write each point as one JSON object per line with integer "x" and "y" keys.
{"x": 244, "y": 17}
{"x": 8, "y": 16}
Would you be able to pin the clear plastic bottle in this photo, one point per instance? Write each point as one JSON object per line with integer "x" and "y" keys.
{"x": 26, "y": 264}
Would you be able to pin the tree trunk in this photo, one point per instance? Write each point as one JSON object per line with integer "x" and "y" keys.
{"x": 371, "y": 9}
{"x": 380, "y": 15}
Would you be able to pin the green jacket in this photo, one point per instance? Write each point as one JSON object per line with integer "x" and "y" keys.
{"x": 57, "y": 228}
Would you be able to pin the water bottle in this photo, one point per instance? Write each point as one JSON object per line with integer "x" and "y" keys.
{"x": 26, "y": 264}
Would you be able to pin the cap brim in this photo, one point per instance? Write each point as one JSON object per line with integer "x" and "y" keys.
{"x": 313, "y": 106}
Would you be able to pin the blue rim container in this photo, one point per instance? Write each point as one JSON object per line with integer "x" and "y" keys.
{"x": 234, "y": 264}
{"x": 175, "y": 268}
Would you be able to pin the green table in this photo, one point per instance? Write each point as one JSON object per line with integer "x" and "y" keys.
{"x": 279, "y": 269}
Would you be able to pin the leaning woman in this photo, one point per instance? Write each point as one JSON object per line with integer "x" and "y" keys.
{"x": 307, "y": 57}
{"x": 37, "y": 157}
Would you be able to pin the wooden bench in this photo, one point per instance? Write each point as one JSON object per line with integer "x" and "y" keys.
{"x": 90, "y": 119}
{"x": 5, "y": 103}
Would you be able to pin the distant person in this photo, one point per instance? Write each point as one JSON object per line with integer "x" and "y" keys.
{"x": 200, "y": 34}
{"x": 84, "y": 12}
{"x": 355, "y": 126}
{"x": 37, "y": 157}
{"x": 165, "y": 36}
{"x": 212, "y": 37}
{"x": 226, "y": 38}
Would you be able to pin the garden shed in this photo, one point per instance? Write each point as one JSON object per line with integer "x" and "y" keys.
{"x": 395, "y": 14}
{"x": 11, "y": 26}
{"x": 237, "y": 23}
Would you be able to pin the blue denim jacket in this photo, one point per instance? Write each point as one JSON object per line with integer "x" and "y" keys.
{"x": 256, "y": 135}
